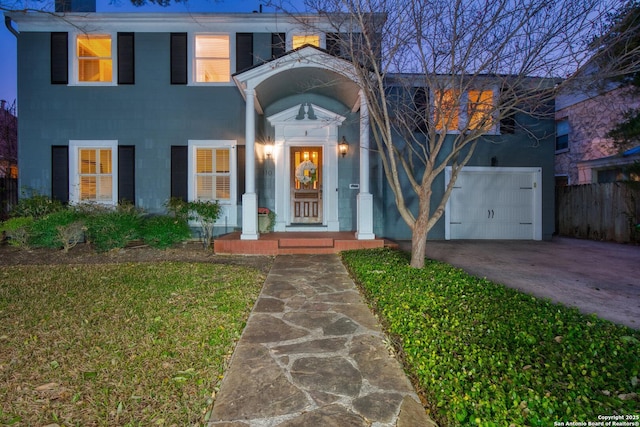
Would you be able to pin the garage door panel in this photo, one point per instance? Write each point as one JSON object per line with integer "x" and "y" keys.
{"x": 483, "y": 231}
{"x": 488, "y": 203}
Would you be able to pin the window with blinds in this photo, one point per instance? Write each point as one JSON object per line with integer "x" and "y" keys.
{"x": 95, "y": 174}
{"x": 213, "y": 174}
{"x": 95, "y": 62}
{"x": 212, "y": 59}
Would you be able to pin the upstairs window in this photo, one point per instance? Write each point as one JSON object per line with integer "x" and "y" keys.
{"x": 299, "y": 40}
{"x": 480, "y": 109}
{"x": 94, "y": 55}
{"x": 212, "y": 59}
{"x": 446, "y": 109}
{"x": 562, "y": 135}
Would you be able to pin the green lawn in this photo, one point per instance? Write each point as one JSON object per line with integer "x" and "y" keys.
{"x": 484, "y": 354}
{"x": 118, "y": 344}
{"x": 147, "y": 344}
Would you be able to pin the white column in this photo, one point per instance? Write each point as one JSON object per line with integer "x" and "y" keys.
{"x": 250, "y": 198}
{"x": 364, "y": 198}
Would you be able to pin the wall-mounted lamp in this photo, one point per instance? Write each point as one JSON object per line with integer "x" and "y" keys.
{"x": 268, "y": 148}
{"x": 343, "y": 147}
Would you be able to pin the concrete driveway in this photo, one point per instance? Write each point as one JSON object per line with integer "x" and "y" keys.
{"x": 596, "y": 277}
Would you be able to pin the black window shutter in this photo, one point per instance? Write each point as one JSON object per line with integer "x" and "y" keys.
{"x": 60, "y": 173}
{"x": 333, "y": 43}
{"x": 126, "y": 59}
{"x": 241, "y": 160}
{"x": 508, "y": 124}
{"x": 421, "y": 107}
{"x": 59, "y": 58}
{"x": 179, "y": 165}
{"x": 127, "y": 173}
{"x": 278, "y": 44}
{"x": 244, "y": 51}
{"x": 178, "y": 58}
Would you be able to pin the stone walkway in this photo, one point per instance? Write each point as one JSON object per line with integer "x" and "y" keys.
{"x": 312, "y": 354}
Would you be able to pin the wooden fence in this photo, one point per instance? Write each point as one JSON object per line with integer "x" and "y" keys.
{"x": 599, "y": 211}
{"x": 8, "y": 195}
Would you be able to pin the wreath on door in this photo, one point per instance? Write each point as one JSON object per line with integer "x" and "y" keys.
{"x": 301, "y": 172}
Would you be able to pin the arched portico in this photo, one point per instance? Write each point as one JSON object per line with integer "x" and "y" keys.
{"x": 306, "y": 70}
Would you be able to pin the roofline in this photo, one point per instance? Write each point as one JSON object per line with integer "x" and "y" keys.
{"x": 47, "y": 21}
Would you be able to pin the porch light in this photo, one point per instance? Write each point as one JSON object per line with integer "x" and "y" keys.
{"x": 343, "y": 147}
{"x": 268, "y": 148}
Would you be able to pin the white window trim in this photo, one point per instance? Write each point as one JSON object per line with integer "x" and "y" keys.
{"x": 191, "y": 55}
{"x": 74, "y": 173}
{"x": 463, "y": 115}
{"x": 229, "y": 208}
{"x": 74, "y": 79}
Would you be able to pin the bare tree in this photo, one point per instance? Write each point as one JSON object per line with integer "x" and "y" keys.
{"x": 440, "y": 75}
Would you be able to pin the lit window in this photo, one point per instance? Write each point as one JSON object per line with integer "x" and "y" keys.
{"x": 301, "y": 40}
{"x": 213, "y": 174}
{"x": 562, "y": 135}
{"x": 447, "y": 109}
{"x": 479, "y": 109}
{"x": 212, "y": 61}
{"x": 96, "y": 178}
{"x": 94, "y": 58}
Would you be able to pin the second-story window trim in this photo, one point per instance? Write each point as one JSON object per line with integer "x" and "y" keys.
{"x": 196, "y": 75}
{"x": 458, "y": 111}
{"x": 80, "y": 57}
{"x": 94, "y": 59}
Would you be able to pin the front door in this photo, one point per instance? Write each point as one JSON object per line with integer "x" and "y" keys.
{"x": 306, "y": 185}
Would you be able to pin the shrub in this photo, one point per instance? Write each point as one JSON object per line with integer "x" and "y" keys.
{"x": 113, "y": 229}
{"x": 164, "y": 231}
{"x": 36, "y": 206}
{"x": 488, "y": 355}
{"x": 57, "y": 230}
{"x": 178, "y": 208}
{"x": 17, "y": 231}
{"x": 71, "y": 234}
{"x": 206, "y": 213}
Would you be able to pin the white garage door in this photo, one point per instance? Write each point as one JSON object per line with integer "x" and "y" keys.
{"x": 495, "y": 203}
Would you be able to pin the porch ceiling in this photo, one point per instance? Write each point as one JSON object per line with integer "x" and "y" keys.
{"x": 305, "y": 70}
{"x": 308, "y": 80}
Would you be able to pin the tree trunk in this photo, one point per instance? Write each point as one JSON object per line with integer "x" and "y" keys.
{"x": 419, "y": 239}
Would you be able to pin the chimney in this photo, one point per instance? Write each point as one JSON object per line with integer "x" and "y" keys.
{"x": 63, "y": 6}
{"x": 2, "y": 104}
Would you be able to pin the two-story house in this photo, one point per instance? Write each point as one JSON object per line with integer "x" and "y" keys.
{"x": 252, "y": 110}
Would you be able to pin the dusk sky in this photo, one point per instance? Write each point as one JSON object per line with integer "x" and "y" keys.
{"x": 8, "y": 72}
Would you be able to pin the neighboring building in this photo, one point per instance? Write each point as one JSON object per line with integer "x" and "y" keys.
{"x": 247, "y": 109}
{"x": 8, "y": 141}
{"x": 584, "y": 154}
{"x": 8, "y": 158}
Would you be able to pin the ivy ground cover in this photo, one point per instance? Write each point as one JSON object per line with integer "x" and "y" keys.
{"x": 483, "y": 354}
{"x": 137, "y": 344}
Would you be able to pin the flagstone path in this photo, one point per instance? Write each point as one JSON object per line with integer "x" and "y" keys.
{"x": 312, "y": 354}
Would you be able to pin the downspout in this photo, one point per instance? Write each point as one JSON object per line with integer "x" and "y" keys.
{"x": 7, "y": 23}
